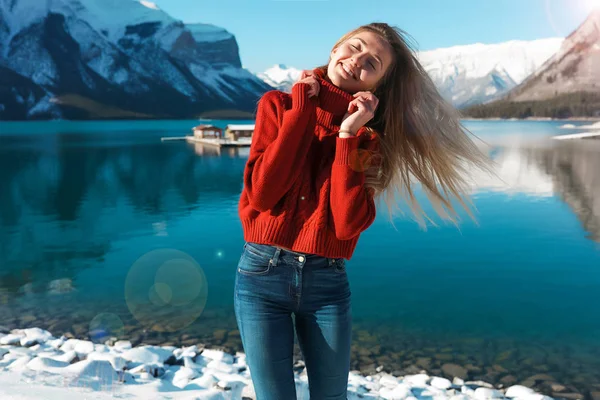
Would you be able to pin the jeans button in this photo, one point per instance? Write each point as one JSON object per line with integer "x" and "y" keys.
{"x": 301, "y": 258}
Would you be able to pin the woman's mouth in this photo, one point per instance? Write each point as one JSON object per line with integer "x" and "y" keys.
{"x": 347, "y": 72}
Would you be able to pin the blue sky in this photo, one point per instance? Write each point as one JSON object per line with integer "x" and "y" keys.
{"x": 300, "y": 33}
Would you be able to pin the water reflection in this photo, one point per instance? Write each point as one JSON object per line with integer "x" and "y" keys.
{"x": 567, "y": 169}
{"x": 575, "y": 170}
{"x": 62, "y": 207}
{"x": 208, "y": 150}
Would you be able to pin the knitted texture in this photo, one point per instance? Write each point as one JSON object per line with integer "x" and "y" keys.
{"x": 303, "y": 184}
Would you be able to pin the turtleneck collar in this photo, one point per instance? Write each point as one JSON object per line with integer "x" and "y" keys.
{"x": 332, "y": 104}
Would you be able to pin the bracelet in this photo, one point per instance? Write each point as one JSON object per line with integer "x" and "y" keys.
{"x": 348, "y": 132}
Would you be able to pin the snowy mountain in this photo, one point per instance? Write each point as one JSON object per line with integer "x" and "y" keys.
{"x": 465, "y": 75}
{"x": 574, "y": 68}
{"x": 116, "y": 58}
{"x": 478, "y": 73}
{"x": 280, "y": 76}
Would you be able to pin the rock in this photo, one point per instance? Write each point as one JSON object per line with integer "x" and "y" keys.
{"x": 508, "y": 380}
{"x": 220, "y": 335}
{"x": 389, "y": 381}
{"x": 368, "y": 369}
{"x": 412, "y": 369}
{"x": 28, "y": 318}
{"x": 558, "y": 387}
{"x": 11, "y": 339}
{"x": 484, "y": 393}
{"x": 122, "y": 345}
{"x": 34, "y": 336}
{"x": 96, "y": 375}
{"x": 458, "y": 381}
{"x": 540, "y": 377}
{"x": 68, "y": 357}
{"x": 154, "y": 370}
{"x": 454, "y": 370}
{"x": 473, "y": 369}
{"x": 147, "y": 355}
{"x": 569, "y": 396}
{"x": 45, "y": 364}
{"x": 444, "y": 357}
{"x": 499, "y": 368}
{"x": 423, "y": 362}
{"x": 117, "y": 362}
{"x": 364, "y": 352}
{"x": 518, "y": 391}
{"x": 505, "y": 355}
{"x": 189, "y": 342}
{"x": 217, "y": 355}
{"x": 476, "y": 384}
{"x": 399, "y": 392}
{"x": 384, "y": 360}
{"x": 419, "y": 380}
{"x": 205, "y": 381}
{"x": 217, "y": 365}
{"x": 440, "y": 383}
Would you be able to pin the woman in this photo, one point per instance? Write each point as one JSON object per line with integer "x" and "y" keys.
{"x": 368, "y": 122}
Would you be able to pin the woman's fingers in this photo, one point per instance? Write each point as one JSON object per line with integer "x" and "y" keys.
{"x": 368, "y": 96}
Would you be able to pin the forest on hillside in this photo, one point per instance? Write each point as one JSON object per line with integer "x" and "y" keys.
{"x": 582, "y": 104}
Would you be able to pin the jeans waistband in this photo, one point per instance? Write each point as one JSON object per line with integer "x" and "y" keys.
{"x": 279, "y": 250}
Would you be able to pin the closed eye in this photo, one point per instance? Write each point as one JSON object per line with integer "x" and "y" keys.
{"x": 370, "y": 62}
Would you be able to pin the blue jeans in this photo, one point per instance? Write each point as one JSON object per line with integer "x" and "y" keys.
{"x": 271, "y": 283}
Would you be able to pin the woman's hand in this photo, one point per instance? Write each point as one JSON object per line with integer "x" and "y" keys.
{"x": 308, "y": 77}
{"x": 360, "y": 111}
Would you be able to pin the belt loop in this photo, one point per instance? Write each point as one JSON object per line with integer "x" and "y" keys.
{"x": 275, "y": 258}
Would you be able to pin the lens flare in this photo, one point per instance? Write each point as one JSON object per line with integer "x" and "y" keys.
{"x": 360, "y": 160}
{"x": 166, "y": 290}
{"x": 104, "y": 326}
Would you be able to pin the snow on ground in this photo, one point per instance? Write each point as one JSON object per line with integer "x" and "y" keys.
{"x": 36, "y": 365}
{"x": 593, "y": 126}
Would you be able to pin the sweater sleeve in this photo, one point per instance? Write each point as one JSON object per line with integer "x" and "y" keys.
{"x": 279, "y": 146}
{"x": 352, "y": 205}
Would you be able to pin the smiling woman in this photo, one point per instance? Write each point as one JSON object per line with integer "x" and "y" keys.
{"x": 360, "y": 63}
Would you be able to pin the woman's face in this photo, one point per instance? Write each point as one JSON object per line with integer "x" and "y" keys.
{"x": 360, "y": 62}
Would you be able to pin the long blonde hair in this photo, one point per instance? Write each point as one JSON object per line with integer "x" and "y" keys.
{"x": 421, "y": 136}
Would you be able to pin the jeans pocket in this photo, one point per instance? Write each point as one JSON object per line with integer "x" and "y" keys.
{"x": 254, "y": 262}
{"x": 339, "y": 266}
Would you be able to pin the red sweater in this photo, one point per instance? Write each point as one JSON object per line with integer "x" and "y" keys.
{"x": 303, "y": 184}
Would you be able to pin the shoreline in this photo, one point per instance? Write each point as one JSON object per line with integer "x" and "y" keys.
{"x": 237, "y": 118}
{"x": 34, "y": 361}
{"x": 583, "y": 119}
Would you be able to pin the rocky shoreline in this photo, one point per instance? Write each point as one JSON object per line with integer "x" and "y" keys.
{"x": 382, "y": 349}
{"x": 145, "y": 370}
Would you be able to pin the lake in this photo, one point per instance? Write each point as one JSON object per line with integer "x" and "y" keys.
{"x": 107, "y": 231}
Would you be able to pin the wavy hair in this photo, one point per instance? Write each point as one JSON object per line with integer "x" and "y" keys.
{"x": 421, "y": 136}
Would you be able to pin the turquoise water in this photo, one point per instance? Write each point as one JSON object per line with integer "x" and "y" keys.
{"x": 82, "y": 204}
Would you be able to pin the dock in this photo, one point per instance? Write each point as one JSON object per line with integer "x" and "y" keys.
{"x": 241, "y": 142}
{"x": 234, "y": 136}
{"x": 584, "y": 135}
